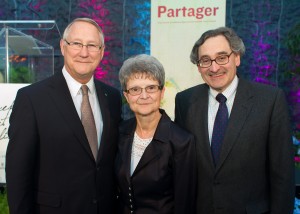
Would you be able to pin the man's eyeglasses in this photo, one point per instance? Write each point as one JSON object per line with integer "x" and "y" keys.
{"x": 205, "y": 62}
{"x": 79, "y": 46}
{"x": 138, "y": 90}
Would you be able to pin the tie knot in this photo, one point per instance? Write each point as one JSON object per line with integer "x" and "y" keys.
{"x": 221, "y": 98}
{"x": 84, "y": 89}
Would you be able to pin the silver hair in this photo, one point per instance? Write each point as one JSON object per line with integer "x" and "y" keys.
{"x": 88, "y": 20}
{"x": 141, "y": 64}
{"x": 235, "y": 42}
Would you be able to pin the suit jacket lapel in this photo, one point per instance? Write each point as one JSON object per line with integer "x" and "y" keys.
{"x": 126, "y": 156}
{"x": 242, "y": 106}
{"x": 102, "y": 98}
{"x": 62, "y": 98}
{"x": 199, "y": 106}
{"x": 153, "y": 150}
{"x": 126, "y": 140}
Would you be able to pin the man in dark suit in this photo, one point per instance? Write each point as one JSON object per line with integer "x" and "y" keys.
{"x": 50, "y": 166}
{"x": 250, "y": 169}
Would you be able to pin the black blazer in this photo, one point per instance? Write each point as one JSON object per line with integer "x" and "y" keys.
{"x": 255, "y": 171}
{"x": 164, "y": 180}
{"x": 50, "y": 168}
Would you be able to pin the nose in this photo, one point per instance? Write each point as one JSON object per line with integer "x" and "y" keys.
{"x": 84, "y": 51}
{"x": 144, "y": 94}
{"x": 214, "y": 66}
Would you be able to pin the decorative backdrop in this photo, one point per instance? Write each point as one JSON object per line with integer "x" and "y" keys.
{"x": 269, "y": 28}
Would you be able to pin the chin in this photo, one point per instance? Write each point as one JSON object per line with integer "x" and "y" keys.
{"x": 145, "y": 113}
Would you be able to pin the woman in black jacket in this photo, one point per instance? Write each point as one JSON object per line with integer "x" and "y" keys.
{"x": 155, "y": 165}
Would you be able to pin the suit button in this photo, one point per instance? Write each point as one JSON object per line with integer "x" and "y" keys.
{"x": 95, "y": 201}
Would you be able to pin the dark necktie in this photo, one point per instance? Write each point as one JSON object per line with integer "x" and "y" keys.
{"x": 219, "y": 128}
{"x": 88, "y": 121}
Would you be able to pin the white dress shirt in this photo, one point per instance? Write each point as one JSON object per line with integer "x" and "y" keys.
{"x": 75, "y": 90}
{"x": 213, "y": 104}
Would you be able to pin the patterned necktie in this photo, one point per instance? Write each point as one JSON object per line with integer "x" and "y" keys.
{"x": 219, "y": 128}
{"x": 88, "y": 121}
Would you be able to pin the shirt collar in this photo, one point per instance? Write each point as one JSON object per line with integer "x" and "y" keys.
{"x": 74, "y": 86}
{"x": 229, "y": 91}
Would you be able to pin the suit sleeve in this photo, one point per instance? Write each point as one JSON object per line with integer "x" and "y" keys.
{"x": 178, "y": 118}
{"x": 185, "y": 176}
{"x": 281, "y": 159}
{"x": 21, "y": 155}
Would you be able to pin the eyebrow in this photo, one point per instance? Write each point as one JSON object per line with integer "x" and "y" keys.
{"x": 80, "y": 41}
{"x": 218, "y": 53}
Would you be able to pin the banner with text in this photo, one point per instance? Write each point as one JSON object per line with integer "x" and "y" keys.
{"x": 7, "y": 96}
{"x": 175, "y": 26}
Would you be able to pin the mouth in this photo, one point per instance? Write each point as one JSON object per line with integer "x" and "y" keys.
{"x": 83, "y": 62}
{"x": 215, "y": 75}
{"x": 143, "y": 104}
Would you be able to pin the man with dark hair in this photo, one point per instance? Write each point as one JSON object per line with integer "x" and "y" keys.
{"x": 242, "y": 131}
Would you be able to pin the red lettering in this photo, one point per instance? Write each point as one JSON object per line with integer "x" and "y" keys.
{"x": 161, "y": 9}
{"x": 178, "y": 12}
{"x": 198, "y": 13}
{"x": 191, "y": 12}
{"x": 183, "y": 11}
{"x": 170, "y": 13}
{"x": 215, "y": 10}
{"x": 207, "y": 11}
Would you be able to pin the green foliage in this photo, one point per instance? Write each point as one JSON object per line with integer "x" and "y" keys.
{"x": 293, "y": 45}
{"x": 3, "y": 202}
{"x": 21, "y": 74}
{"x": 293, "y": 40}
{"x": 291, "y": 76}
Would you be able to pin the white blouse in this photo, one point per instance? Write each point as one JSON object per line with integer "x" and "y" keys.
{"x": 138, "y": 147}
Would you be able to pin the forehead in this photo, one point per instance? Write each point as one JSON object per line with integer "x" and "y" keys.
{"x": 214, "y": 46}
{"x": 141, "y": 75}
{"x": 83, "y": 30}
{"x": 140, "y": 78}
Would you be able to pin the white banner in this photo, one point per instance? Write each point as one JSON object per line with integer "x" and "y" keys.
{"x": 7, "y": 96}
{"x": 175, "y": 26}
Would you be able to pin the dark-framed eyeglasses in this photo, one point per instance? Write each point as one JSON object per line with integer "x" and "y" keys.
{"x": 205, "y": 62}
{"x": 138, "y": 90}
{"x": 79, "y": 46}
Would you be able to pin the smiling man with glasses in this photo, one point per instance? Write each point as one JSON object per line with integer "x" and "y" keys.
{"x": 242, "y": 130}
{"x": 82, "y": 51}
{"x": 63, "y": 134}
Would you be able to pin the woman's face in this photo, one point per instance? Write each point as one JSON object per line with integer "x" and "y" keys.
{"x": 145, "y": 103}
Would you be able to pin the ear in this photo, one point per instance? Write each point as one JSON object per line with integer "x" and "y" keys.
{"x": 125, "y": 95}
{"x": 237, "y": 60}
{"x": 102, "y": 52}
{"x": 62, "y": 47}
{"x": 199, "y": 69}
{"x": 163, "y": 92}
